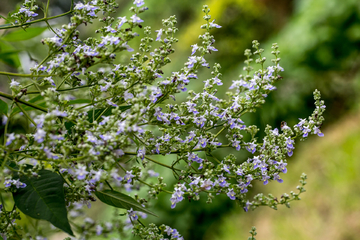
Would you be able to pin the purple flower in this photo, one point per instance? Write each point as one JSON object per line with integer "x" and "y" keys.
{"x": 251, "y": 147}
{"x": 159, "y": 33}
{"x": 136, "y": 19}
{"x": 191, "y": 62}
{"x": 211, "y": 48}
{"x": 194, "y": 48}
{"x": 318, "y": 132}
{"x": 141, "y": 153}
{"x": 226, "y": 168}
{"x": 277, "y": 178}
{"x": 177, "y": 195}
{"x": 249, "y": 178}
{"x": 265, "y": 179}
{"x": 18, "y": 184}
{"x": 49, "y": 154}
{"x": 81, "y": 172}
{"x": 212, "y": 24}
{"x": 200, "y": 121}
{"x": 242, "y": 187}
{"x": 14, "y": 83}
{"x": 105, "y": 120}
{"x": 152, "y": 173}
{"x": 222, "y": 181}
{"x": 105, "y": 40}
{"x": 8, "y": 183}
{"x": 114, "y": 174}
{"x": 139, "y": 3}
{"x": 231, "y": 194}
{"x": 240, "y": 172}
{"x": 282, "y": 166}
{"x": 194, "y": 157}
{"x": 195, "y": 181}
{"x": 10, "y": 138}
{"x": 236, "y": 144}
{"x": 217, "y": 81}
{"x": 207, "y": 184}
{"x": 306, "y": 131}
{"x": 106, "y": 137}
{"x": 122, "y": 21}
{"x": 39, "y": 135}
{"x": 129, "y": 176}
{"x": 202, "y": 141}
{"x": 132, "y": 215}
{"x": 99, "y": 229}
{"x": 247, "y": 205}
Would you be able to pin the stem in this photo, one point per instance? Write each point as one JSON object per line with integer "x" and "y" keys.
{"x": 24, "y": 75}
{"x": 61, "y": 90}
{"x": 143, "y": 182}
{"x": 109, "y": 185}
{"x": 25, "y": 113}
{"x": 23, "y": 102}
{"x": 162, "y": 164}
{"x": 36, "y": 21}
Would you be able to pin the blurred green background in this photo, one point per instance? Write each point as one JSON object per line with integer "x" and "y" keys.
{"x": 320, "y": 45}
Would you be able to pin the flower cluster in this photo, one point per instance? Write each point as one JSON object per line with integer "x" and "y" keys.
{"x": 26, "y": 12}
{"x": 111, "y": 134}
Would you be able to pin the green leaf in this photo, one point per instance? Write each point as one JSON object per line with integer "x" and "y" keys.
{"x": 33, "y": 100}
{"x": 5, "y": 25}
{"x": 77, "y": 101}
{"x": 120, "y": 200}
{"x": 3, "y": 107}
{"x": 9, "y": 55}
{"x": 43, "y": 198}
{"x": 104, "y": 112}
{"x": 21, "y": 35}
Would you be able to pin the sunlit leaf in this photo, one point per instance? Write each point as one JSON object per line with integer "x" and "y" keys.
{"x": 120, "y": 200}
{"x": 21, "y": 35}
{"x": 43, "y": 198}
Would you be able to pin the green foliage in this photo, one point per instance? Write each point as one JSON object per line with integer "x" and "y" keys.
{"x": 120, "y": 200}
{"x": 22, "y": 35}
{"x": 43, "y": 198}
{"x": 3, "y": 107}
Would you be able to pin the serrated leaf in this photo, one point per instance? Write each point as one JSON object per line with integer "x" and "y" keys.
{"x": 120, "y": 200}
{"x": 3, "y": 107}
{"x": 43, "y": 198}
{"x": 21, "y": 35}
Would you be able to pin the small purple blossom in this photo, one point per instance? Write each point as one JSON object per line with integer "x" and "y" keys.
{"x": 129, "y": 176}
{"x": 10, "y": 139}
{"x": 212, "y": 24}
{"x": 247, "y": 205}
{"x": 194, "y": 48}
{"x": 251, "y": 147}
{"x": 122, "y": 21}
{"x": 231, "y": 194}
{"x": 138, "y": 3}
{"x": 136, "y": 19}
{"x": 207, "y": 184}
{"x": 159, "y": 33}
{"x": 81, "y": 172}
{"x": 318, "y": 131}
{"x": 277, "y": 178}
